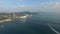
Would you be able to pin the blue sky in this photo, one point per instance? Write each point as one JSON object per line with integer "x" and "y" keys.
{"x": 29, "y": 5}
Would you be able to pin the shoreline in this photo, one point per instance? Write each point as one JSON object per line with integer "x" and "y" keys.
{"x": 10, "y": 19}
{"x": 5, "y": 20}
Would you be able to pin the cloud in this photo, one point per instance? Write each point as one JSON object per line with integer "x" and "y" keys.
{"x": 16, "y": 9}
{"x": 4, "y": 8}
{"x": 23, "y": 8}
{"x": 50, "y": 6}
{"x": 42, "y": 6}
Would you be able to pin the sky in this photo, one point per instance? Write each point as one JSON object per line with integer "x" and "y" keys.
{"x": 29, "y": 5}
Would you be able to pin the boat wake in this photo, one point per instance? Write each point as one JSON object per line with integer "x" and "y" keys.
{"x": 53, "y": 29}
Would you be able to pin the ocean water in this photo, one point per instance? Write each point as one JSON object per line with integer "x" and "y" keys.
{"x": 32, "y": 25}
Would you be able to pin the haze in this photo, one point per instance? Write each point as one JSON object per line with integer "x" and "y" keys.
{"x": 29, "y": 5}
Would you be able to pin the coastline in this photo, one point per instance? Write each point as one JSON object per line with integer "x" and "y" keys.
{"x": 5, "y": 20}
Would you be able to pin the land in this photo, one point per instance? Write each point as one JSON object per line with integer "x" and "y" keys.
{"x": 13, "y": 16}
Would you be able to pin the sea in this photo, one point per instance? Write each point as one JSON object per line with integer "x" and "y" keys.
{"x": 32, "y": 25}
